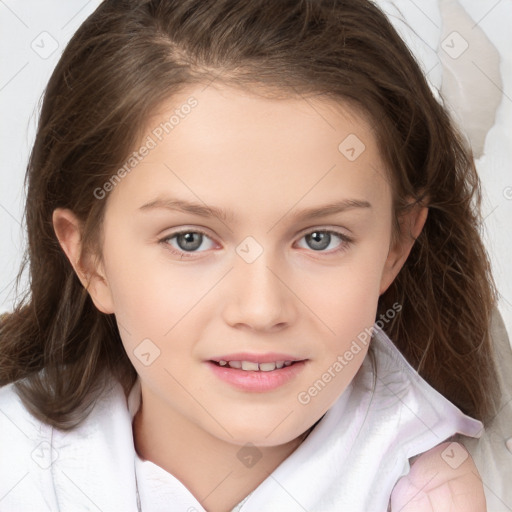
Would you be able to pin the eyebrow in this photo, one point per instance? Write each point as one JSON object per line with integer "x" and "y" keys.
{"x": 203, "y": 210}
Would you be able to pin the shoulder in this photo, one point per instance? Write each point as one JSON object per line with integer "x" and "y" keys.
{"x": 443, "y": 478}
{"x": 21, "y": 434}
{"x": 21, "y": 431}
{"x": 17, "y": 424}
{"x": 10, "y": 403}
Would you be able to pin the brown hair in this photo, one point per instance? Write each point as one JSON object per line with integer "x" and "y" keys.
{"x": 131, "y": 55}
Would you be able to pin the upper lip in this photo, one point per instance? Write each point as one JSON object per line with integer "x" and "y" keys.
{"x": 257, "y": 358}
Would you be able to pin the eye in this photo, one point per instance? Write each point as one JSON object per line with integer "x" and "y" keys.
{"x": 184, "y": 242}
{"x": 187, "y": 242}
{"x": 321, "y": 239}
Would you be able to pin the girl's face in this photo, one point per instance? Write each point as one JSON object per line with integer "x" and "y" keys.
{"x": 285, "y": 217}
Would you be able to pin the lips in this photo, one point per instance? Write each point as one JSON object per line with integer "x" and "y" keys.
{"x": 262, "y": 380}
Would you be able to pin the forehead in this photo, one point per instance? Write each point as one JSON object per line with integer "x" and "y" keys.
{"x": 216, "y": 143}
{"x": 258, "y": 114}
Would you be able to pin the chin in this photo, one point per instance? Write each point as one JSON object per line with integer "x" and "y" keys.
{"x": 265, "y": 437}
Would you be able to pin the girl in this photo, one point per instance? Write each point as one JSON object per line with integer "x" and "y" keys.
{"x": 233, "y": 208}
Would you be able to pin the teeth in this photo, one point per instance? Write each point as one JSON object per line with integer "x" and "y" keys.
{"x": 250, "y": 366}
{"x": 247, "y": 365}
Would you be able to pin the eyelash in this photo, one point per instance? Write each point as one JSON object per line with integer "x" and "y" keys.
{"x": 346, "y": 241}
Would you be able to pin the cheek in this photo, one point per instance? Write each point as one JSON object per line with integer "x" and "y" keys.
{"x": 348, "y": 296}
{"x": 137, "y": 288}
{"x": 151, "y": 293}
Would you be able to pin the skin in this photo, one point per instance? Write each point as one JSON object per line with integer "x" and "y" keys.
{"x": 265, "y": 160}
{"x": 433, "y": 484}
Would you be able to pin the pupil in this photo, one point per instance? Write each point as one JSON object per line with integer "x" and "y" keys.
{"x": 190, "y": 241}
{"x": 319, "y": 240}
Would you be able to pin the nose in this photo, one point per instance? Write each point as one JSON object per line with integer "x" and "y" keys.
{"x": 258, "y": 296}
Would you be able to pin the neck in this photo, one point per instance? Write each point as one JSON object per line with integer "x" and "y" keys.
{"x": 217, "y": 473}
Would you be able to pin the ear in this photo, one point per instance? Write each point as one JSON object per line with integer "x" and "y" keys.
{"x": 68, "y": 230}
{"x": 411, "y": 223}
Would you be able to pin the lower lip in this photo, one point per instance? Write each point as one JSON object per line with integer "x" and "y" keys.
{"x": 257, "y": 381}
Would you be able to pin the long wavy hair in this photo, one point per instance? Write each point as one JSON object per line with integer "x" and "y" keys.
{"x": 131, "y": 55}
